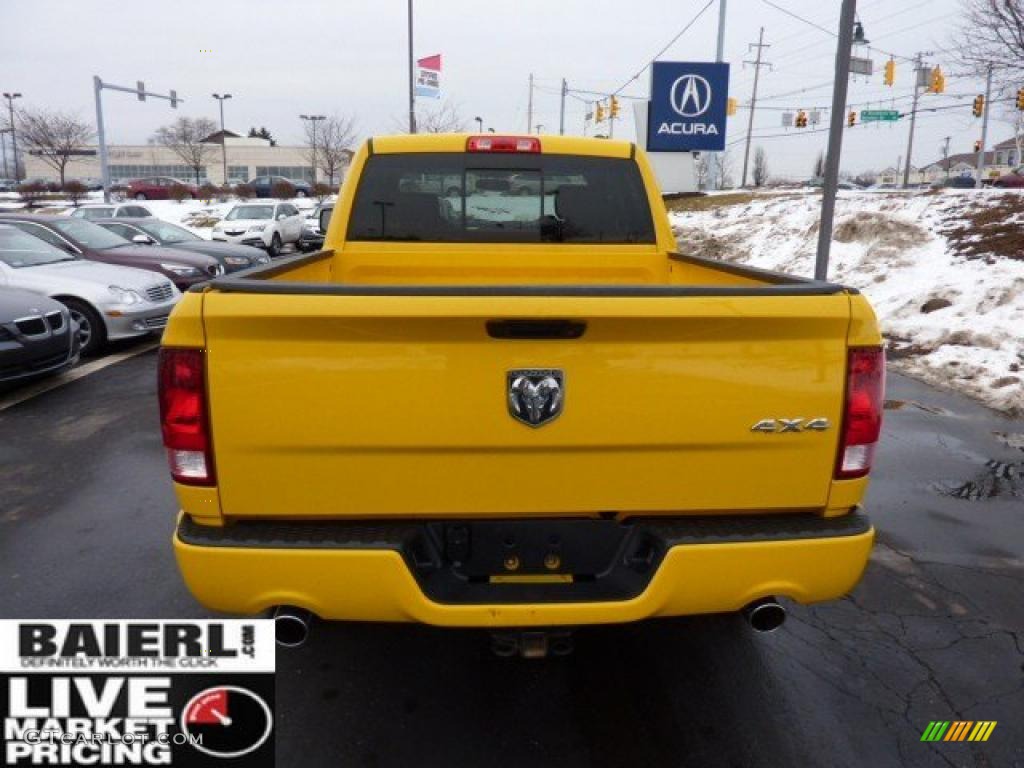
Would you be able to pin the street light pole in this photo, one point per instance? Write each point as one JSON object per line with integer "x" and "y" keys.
{"x": 847, "y": 16}
{"x": 223, "y": 140}
{"x": 313, "y": 119}
{"x": 14, "y": 139}
{"x": 479, "y": 124}
{"x": 719, "y": 57}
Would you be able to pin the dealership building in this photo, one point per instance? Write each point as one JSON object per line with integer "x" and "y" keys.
{"x": 247, "y": 158}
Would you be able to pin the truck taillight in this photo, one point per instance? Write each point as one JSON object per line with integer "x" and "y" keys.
{"x": 862, "y": 412}
{"x": 184, "y": 419}
{"x": 503, "y": 144}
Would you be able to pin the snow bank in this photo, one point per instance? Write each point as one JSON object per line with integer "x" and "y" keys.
{"x": 951, "y": 319}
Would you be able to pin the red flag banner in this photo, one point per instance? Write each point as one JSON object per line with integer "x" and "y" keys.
{"x": 431, "y": 62}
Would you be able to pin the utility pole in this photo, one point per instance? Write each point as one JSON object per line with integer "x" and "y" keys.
{"x": 760, "y": 45}
{"x": 716, "y": 181}
{"x": 314, "y": 119}
{"x": 223, "y": 140}
{"x": 984, "y": 129}
{"x": 412, "y": 96}
{"x": 918, "y": 67}
{"x": 14, "y": 139}
{"x": 98, "y": 86}
{"x": 561, "y": 109}
{"x": 3, "y": 150}
{"x": 529, "y": 107}
{"x": 945, "y": 155}
{"x": 847, "y": 16}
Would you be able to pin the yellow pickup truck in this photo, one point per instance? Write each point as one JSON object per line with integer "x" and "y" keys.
{"x": 500, "y": 398}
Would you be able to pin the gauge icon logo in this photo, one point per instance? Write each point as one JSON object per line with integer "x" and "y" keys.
{"x": 227, "y": 721}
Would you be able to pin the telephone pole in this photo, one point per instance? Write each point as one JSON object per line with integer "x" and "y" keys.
{"x": 760, "y": 45}
{"x": 529, "y": 108}
{"x": 412, "y": 92}
{"x": 984, "y": 128}
{"x": 918, "y": 68}
{"x": 561, "y": 109}
{"x": 945, "y": 155}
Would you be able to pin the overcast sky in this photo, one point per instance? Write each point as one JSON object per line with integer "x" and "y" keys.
{"x": 280, "y": 59}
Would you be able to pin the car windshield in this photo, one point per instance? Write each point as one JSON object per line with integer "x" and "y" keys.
{"x": 88, "y": 234}
{"x": 250, "y": 212}
{"x": 95, "y": 213}
{"x": 450, "y": 197}
{"x": 167, "y": 233}
{"x": 18, "y": 249}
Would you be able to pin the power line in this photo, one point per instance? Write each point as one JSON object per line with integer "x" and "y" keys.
{"x": 669, "y": 45}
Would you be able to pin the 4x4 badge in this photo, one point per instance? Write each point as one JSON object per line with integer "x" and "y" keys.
{"x": 535, "y": 395}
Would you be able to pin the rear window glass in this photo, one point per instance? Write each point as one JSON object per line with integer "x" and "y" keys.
{"x": 453, "y": 197}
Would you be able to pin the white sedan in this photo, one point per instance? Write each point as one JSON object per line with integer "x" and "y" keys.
{"x": 106, "y": 301}
{"x": 265, "y": 225}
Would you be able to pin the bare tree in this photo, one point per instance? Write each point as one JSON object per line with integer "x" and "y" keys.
{"x": 444, "y": 119}
{"x": 866, "y": 178}
{"x": 819, "y": 166}
{"x": 760, "y": 167}
{"x": 700, "y": 169}
{"x": 184, "y": 138}
{"x": 727, "y": 168}
{"x": 991, "y": 33}
{"x": 334, "y": 139}
{"x": 55, "y": 137}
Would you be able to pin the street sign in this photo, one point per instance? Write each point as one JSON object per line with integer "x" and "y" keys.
{"x": 689, "y": 101}
{"x": 879, "y": 115}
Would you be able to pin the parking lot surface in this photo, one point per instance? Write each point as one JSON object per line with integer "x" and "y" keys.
{"x": 934, "y": 632}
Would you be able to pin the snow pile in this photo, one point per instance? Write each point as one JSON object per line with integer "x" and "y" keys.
{"x": 942, "y": 271}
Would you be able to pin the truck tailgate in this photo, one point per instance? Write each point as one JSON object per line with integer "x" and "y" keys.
{"x": 374, "y": 406}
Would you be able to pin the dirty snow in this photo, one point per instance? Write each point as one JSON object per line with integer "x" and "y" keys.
{"x": 953, "y": 321}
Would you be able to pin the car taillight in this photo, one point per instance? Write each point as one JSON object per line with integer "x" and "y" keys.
{"x": 184, "y": 419}
{"x": 862, "y": 411}
{"x": 503, "y": 144}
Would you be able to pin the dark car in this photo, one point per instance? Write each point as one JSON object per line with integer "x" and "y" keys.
{"x": 91, "y": 241}
{"x": 153, "y": 231}
{"x": 159, "y": 188}
{"x": 954, "y": 182}
{"x": 314, "y": 228}
{"x": 263, "y": 186}
{"x": 36, "y": 336}
{"x": 1014, "y": 178}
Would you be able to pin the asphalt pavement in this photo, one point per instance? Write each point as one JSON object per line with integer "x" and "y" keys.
{"x": 934, "y": 632}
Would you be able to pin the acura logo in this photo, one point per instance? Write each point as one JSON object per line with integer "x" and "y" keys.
{"x": 535, "y": 395}
{"x": 690, "y": 96}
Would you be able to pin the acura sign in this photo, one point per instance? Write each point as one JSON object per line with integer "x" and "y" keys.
{"x": 688, "y": 106}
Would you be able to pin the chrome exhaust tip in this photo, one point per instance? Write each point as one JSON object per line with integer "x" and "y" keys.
{"x": 291, "y": 625}
{"x": 764, "y": 615}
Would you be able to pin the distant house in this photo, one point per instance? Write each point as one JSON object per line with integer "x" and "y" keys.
{"x": 1002, "y": 158}
{"x": 895, "y": 176}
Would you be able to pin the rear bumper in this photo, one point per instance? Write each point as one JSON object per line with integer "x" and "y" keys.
{"x": 361, "y": 572}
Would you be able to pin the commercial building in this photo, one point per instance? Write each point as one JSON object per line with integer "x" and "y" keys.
{"x": 247, "y": 158}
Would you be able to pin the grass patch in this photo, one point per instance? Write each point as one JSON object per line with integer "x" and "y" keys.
{"x": 987, "y": 231}
{"x": 707, "y": 202}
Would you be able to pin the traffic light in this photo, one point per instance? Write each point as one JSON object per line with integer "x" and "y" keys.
{"x": 851, "y": 119}
{"x": 977, "y": 146}
{"x": 801, "y": 119}
{"x": 938, "y": 81}
{"x": 1020, "y": 98}
{"x": 730, "y": 105}
{"x": 599, "y": 113}
{"x": 890, "y": 72}
{"x": 979, "y": 105}
{"x": 614, "y": 109}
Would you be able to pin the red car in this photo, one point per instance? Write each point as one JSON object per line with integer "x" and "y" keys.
{"x": 1014, "y": 178}
{"x": 159, "y": 188}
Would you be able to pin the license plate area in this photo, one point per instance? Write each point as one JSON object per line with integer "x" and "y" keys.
{"x": 546, "y": 560}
